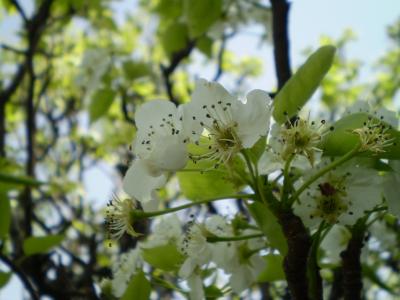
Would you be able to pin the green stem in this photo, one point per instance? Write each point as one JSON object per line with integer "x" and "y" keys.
{"x": 323, "y": 171}
{"x": 138, "y": 214}
{"x": 216, "y": 239}
{"x": 286, "y": 179}
{"x": 250, "y": 167}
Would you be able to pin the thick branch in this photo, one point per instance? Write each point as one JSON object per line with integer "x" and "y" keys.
{"x": 295, "y": 262}
{"x": 280, "y": 11}
{"x": 351, "y": 265}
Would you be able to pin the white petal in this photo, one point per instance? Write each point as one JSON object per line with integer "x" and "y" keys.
{"x": 391, "y": 192}
{"x": 253, "y": 118}
{"x": 168, "y": 153}
{"x": 269, "y": 162}
{"x": 139, "y": 183}
{"x": 151, "y": 113}
{"x": 195, "y": 283}
{"x": 187, "y": 268}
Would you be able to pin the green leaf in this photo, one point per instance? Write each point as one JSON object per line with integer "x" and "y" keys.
{"x": 257, "y": 150}
{"x": 135, "y": 69}
{"x": 300, "y": 87}
{"x": 138, "y": 288}
{"x": 4, "y": 278}
{"x": 201, "y": 14}
{"x": 204, "y": 44}
{"x": 42, "y": 244}
{"x": 165, "y": 257}
{"x": 269, "y": 226}
{"x": 174, "y": 37}
{"x": 273, "y": 270}
{"x": 100, "y": 103}
{"x": 341, "y": 140}
{"x": 209, "y": 184}
{"x": 213, "y": 292}
{"x": 19, "y": 180}
{"x": 5, "y": 214}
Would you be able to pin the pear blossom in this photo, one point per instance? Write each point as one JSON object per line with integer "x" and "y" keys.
{"x": 391, "y": 183}
{"x": 94, "y": 64}
{"x": 196, "y": 249}
{"x": 380, "y": 113}
{"x": 124, "y": 269}
{"x": 334, "y": 243}
{"x": 280, "y": 146}
{"x": 159, "y": 148}
{"x": 119, "y": 217}
{"x": 167, "y": 230}
{"x": 229, "y": 124}
{"x": 342, "y": 195}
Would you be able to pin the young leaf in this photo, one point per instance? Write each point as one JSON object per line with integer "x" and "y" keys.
{"x": 300, "y": 87}
{"x": 19, "y": 180}
{"x": 174, "y": 37}
{"x": 341, "y": 140}
{"x": 4, "y": 278}
{"x": 165, "y": 257}
{"x": 273, "y": 270}
{"x": 5, "y": 214}
{"x": 42, "y": 244}
{"x": 269, "y": 226}
{"x": 138, "y": 288}
{"x": 201, "y": 14}
{"x": 208, "y": 184}
{"x": 100, "y": 103}
{"x": 135, "y": 69}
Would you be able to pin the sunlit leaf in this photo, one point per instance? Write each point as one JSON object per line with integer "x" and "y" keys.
{"x": 165, "y": 257}
{"x": 42, "y": 244}
{"x": 300, "y": 87}
{"x": 100, "y": 103}
{"x": 273, "y": 270}
{"x": 201, "y": 14}
{"x": 4, "y": 278}
{"x": 138, "y": 288}
{"x": 269, "y": 226}
{"x": 5, "y": 214}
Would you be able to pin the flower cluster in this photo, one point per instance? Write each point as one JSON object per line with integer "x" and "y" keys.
{"x": 331, "y": 195}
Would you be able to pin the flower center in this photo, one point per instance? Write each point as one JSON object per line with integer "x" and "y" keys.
{"x": 223, "y": 141}
{"x": 331, "y": 202}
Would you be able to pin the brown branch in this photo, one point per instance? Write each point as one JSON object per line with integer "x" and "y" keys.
{"x": 176, "y": 59}
{"x": 351, "y": 264}
{"x": 20, "y": 10}
{"x": 280, "y": 11}
{"x": 295, "y": 261}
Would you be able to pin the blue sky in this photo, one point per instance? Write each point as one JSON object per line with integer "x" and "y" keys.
{"x": 309, "y": 19}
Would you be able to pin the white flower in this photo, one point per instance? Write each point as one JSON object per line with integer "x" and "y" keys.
{"x": 196, "y": 249}
{"x": 341, "y": 196}
{"x": 391, "y": 185}
{"x": 195, "y": 283}
{"x": 229, "y": 124}
{"x": 380, "y": 113}
{"x": 95, "y": 63}
{"x": 159, "y": 147}
{"x": 274, "y": 158}
{"x": 119, "y": 217}
{"x": 128, "y": 265}
{"x": 334, "y": 243}
{"x": 167, "y": 230}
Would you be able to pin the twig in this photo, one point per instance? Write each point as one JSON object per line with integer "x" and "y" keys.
{"x": 28, "y": 285}
{"x": 20, "y": 10}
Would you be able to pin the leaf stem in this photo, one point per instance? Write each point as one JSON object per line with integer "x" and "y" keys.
{"x": 138, "y": 214}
